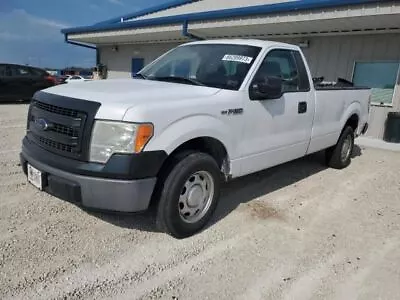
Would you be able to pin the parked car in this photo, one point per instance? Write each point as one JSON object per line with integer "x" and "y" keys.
{"x": 60, "y": 79}
{"x": 76, "y": 78}
{"x": 18, "y": 82}
{"x": 203, "y": 112}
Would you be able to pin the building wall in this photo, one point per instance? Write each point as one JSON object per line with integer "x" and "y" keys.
{"x": 329, "y": 56}
{"x": 119, "y": 62}
{"x": 335, "y": 57}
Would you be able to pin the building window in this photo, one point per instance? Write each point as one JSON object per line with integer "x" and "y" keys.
{"x": 381, "y": 77}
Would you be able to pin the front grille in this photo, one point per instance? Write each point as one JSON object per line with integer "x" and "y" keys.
{"x": 65, "y": 130}
{"x": 56, "y": 128}
{"x": 56, "y": 109}
{"x": 55, "y": 145}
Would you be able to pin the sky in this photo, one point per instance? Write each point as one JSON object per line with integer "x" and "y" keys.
{"x": 30, "y": 29}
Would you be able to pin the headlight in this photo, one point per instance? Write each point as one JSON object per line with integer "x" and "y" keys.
{"x": 118, "y": 137}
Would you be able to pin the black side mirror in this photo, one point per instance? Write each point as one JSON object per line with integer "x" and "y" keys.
{"x": 271, "y": 89}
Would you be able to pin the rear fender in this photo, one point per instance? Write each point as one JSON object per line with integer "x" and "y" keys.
{"x": 353, "y": 109}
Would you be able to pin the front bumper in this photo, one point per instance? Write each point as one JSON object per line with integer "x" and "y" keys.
{"x": 98, "y": 190}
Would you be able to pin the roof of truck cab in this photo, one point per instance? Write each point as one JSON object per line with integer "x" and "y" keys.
{"x": 248, "y": 42}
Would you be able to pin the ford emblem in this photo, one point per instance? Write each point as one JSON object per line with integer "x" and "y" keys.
{"x": 42, "y": 124}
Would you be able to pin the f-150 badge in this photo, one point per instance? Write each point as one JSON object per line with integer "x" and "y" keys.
{"x": 232, "y": 111}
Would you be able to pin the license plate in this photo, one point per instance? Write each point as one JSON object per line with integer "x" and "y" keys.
{"x": 35, "y": 177}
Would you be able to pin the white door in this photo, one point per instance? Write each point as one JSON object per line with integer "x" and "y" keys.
{"x": 278, "y": 130}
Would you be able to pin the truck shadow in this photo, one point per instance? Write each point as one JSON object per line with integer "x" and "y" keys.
{"x": 249, "y": 188}
{"x": 237, "y": 192}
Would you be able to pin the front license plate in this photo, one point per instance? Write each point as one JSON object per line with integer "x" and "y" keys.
{"x": 35, "y": 177}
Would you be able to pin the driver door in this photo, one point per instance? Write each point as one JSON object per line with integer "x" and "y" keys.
{"x": 278, "y": 130}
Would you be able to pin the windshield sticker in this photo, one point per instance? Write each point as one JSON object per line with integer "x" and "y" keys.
{"x": 238, "y": 58}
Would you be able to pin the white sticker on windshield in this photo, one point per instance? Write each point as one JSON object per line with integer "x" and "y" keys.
{"x": 238, "y": 58}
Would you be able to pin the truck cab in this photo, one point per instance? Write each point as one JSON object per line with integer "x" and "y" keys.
{"x": 202, "y": 112}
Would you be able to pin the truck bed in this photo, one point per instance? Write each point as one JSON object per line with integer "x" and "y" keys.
{"x": 333, "y": 106}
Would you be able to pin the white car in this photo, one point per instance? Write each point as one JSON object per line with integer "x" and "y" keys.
{"x": 76, "y": 78}
{"x": 201, "y": 113}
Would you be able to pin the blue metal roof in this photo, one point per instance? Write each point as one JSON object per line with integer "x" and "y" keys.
{"x": 301, "y": 5}
{"x": 151, "y": 10}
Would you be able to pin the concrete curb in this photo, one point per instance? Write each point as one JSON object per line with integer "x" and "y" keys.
{"x": 378, "y": 144}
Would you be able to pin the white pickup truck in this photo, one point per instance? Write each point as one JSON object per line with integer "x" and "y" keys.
{"x": 200, "y": 114}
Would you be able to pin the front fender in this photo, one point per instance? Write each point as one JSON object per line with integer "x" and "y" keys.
{"x": 188, "y": 128}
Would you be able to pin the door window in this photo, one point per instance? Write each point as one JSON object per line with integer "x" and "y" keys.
{"x": 38, "y": 72}
{"x": 381, "y": 77}
{"x": 21, "y": 71}
{"x": 282, "y": 64}
{"x": 5, "y": 71}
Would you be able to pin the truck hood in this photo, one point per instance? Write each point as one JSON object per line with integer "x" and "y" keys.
{"x": 118, "y": 95}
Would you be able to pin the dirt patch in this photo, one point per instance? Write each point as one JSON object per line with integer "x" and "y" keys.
{"x": 262, "y": 210}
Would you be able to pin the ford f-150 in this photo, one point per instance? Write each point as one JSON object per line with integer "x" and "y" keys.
{"x": 200, "y": 114}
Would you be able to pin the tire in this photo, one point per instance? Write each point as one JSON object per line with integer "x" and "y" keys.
{"x": 188, "y": 194}
{"x": 339, "y": 156}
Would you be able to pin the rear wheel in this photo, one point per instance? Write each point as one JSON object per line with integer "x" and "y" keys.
{"x": 188, "y": 195}
{"x": 339, "y": 156}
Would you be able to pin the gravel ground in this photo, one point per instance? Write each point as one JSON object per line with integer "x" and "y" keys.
{"x": 298, "y": 231}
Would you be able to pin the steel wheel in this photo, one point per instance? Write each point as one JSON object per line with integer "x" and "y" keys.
{"x": 346, "y": 148}
{"x": 196, "y": 197}
{"x": 189, "y": 194}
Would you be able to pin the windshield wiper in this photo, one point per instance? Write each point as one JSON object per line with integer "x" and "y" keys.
{"x": 178, "y": 79}
{"x": 139, "y": 75}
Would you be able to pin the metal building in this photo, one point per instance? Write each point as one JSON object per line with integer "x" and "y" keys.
{"x": 358, "y": 40}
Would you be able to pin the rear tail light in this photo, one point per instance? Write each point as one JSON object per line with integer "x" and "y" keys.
{"x": 50, "y": 78}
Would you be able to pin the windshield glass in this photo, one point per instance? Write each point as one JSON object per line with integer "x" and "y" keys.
{"x": 214, "y": 65}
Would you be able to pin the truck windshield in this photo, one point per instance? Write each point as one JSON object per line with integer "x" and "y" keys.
{"x": 221, "y": 66}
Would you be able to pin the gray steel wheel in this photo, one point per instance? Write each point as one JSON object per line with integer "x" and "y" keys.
{"x": 346, "y": 148}
{"x": 339, "y": 156}
{"x": 189, "y": 191}
{"x": 196, "y": 197}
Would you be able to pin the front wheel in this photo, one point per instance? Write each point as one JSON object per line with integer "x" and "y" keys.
{"x": 339, "y": 156}
{"x": 189, "y": 195}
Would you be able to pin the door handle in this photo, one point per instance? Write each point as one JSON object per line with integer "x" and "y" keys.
{"x": 302, "y": 107}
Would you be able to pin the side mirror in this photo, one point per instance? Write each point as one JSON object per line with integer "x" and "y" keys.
{"x": 272, "y": 89}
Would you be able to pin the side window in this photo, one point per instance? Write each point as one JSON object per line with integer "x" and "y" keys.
{"x": 281, "y": 64}
{"x": 37, "y": 72}
{"x": 5, "y": 71}
{"x": 21, "y": 71}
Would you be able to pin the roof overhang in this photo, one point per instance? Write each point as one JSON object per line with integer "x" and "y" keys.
{"x": 299, "y": 18}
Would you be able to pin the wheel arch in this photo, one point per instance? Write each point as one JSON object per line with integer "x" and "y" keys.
{"x": 351, "y": 117}
{"x": 205, "y": 144}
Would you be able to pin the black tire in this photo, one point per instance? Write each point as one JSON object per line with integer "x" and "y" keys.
{"x": 185, "y": 165}
{"x": 334, "y": 157}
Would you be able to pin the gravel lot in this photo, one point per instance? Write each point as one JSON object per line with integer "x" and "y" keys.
{"x": 298, "y": 231}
